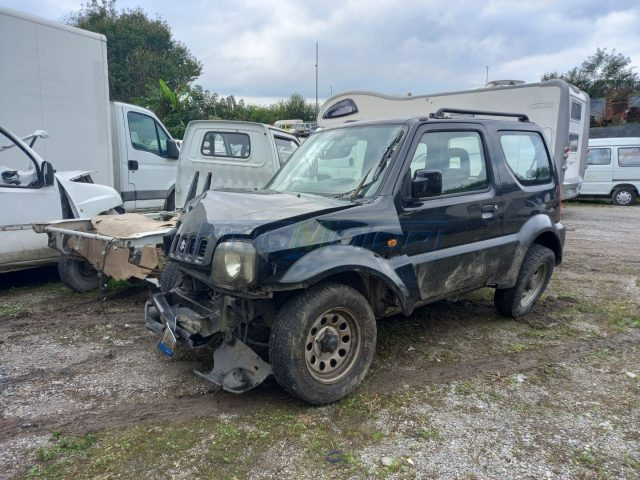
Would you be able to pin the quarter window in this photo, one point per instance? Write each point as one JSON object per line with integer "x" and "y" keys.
{"x": 285, "y": 147}
{"x": 599, "y": 156}
{"x": 458, "y": 156}
{"x": 576, "y": 111}
{"x": 527, "y": 157}
{"x": 226, "y": 144}
{"x": 629, "y": 157}
{"x": 146, "y": 134}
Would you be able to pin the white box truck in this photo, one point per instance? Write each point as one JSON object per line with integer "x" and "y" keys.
{"x": 54, "y": 77}
{"x": 561, "y": 109}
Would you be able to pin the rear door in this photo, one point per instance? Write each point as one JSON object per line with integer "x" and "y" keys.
{"x": 599, "y": 172}
{"x": 453, "y": 239}
{"x": 151, "y": 172}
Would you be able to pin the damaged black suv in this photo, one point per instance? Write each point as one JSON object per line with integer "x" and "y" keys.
{"x": 365, "y": 220}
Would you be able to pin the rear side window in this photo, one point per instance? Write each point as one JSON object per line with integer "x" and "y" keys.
{"x": 629, "y": 157}
{"x": 527, "y": 157}
{"x": 599, "y": 156}
{"x": 574, "y": 141}
{"x": 226, "y": 144}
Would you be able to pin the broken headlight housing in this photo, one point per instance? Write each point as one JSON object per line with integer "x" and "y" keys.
{"x": 234, "y": 263}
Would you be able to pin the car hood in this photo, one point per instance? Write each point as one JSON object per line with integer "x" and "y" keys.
{"x": 245, "y": 211}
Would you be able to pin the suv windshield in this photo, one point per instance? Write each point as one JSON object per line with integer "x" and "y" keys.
{"x": 340, "y": 162}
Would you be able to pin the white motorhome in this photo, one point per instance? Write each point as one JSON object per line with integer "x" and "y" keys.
{"x": 221, "y": 153}
{"x": 561, "y": 109}
{"x": 54, "y": 77}
{"x": 613, "y": 169}
{"x": 32, "y": 191}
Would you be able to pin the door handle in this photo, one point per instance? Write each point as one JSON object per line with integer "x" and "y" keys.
{"x": 133, "y": 164}
{"x": 488, "y": 211}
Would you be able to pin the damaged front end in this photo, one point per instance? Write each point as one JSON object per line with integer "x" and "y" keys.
{"x": 218, "y": 322}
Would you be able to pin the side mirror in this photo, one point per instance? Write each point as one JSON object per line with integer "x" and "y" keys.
{"x": 47, "y": 174}
{"x": 173, "y": 151}
{"x": 426, "y": 183}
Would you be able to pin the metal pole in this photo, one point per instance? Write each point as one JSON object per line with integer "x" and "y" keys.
{"x": 316, "y": 79}
{"x": 487, "y": 79}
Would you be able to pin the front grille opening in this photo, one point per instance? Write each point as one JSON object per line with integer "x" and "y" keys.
{"x": 176, "y": 243}
{"x": 202, "y": 248}
{"x": 192, "y": 246}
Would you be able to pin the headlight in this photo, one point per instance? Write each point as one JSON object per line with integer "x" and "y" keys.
{"x": 234, "y": 263}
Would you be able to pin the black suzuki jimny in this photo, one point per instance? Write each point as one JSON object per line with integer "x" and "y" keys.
{"x": 365, "y": 220}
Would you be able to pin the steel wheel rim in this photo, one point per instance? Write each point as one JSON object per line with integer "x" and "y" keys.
{"x": 333, "y": 345}
{"x": 86, "y": 270}
{"x": 534, "y": 285}
{"x": 623, "y": 197}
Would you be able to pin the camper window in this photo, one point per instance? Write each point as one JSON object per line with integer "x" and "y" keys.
{"x": 599, "y": 156}
{"x": 629, "y": 157}
{"x": 576, "y": 111}
{"x": 527, "y": 157}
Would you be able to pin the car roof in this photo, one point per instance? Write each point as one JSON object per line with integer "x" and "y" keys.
{"x": 614, "y": 142}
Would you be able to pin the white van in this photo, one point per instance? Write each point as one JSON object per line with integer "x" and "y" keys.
{"x": 613, "y": 169}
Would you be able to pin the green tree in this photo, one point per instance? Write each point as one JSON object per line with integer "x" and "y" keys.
{"x": 604, "y": 73}
{"x": 140, "y": 50}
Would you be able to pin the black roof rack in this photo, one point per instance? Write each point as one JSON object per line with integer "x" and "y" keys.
{"x": 441, "y": 111}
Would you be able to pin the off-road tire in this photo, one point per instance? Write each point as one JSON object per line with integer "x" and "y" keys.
{"x": 169, "y": 276}
{"x": 508, "y": 300}
{"x": 77, "y": 274}
{"x": 289, "y": 335}
{"x": 624, "y": 196}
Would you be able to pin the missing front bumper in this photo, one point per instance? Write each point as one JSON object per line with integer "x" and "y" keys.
{"x": 236, "y": 367}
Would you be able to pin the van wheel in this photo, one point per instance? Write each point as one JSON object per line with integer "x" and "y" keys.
{"x": 624, "y": 196}
{"x": 76, "y": 274}
{"x": 322, "y": 343}
{"x": 533, "y": 278}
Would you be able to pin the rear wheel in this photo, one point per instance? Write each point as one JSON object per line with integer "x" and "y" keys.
{"x": 533, "y": 278}
{"x": 322, "y": 343}
{"x": 77, "y": 274}
{"x": 624, "y": 196}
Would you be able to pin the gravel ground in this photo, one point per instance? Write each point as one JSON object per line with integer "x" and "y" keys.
{"x": 455, "y": 391}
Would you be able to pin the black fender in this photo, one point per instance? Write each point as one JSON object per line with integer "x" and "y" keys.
{"x": 327, "y": 261}
{"x": 541, "y": 228}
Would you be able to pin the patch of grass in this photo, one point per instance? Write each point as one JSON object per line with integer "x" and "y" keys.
{"x": 463, "y": 388}
{"x": 630, "y": 461}
{"x": 62, "y": 444}
{"x": 428, "y": 434}
{"x": 12, "y": 309}
{"x": 518, "y": 347}
{"x": 586, "y": 457}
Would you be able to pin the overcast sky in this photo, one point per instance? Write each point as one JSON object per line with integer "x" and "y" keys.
{"x": 263, "y": 50}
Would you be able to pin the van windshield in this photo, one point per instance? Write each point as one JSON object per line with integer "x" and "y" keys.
{"x": 334, "y": 162}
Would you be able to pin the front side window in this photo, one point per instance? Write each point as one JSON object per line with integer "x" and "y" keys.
{"x": 17, "y": 169}
{"x": 340, "y": 162}
{"x": 226, "y": 144}
{"x": 146, "y": 134}
{"x": 527, "y": 157}
{"x": 576, "y": 111}
{"x": 599, "y": 156}
{"x": 458, "y": 156}
{"x": 285, "y": 147}
{"x": 629, "y": 157}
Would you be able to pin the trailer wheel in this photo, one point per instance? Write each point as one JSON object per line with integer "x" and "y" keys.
{"x": 533, "y": 279}
{"x": 322, "y": 343}
{"x": 76, "y": 274}
{"x": 624, "y": 196}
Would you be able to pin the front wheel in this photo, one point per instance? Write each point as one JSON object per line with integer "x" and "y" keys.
{"x": 322, "y": 343}
{"x": 624, "y": 196}
{"x": 533, "y": 278}
{"x": 77, "y": 274}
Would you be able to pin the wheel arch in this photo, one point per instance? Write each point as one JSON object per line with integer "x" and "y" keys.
{"x": 550, "y": 240}
{"x": 623, "y": 185}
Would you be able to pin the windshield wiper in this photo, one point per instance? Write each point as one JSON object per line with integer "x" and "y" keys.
{"x": 377, "y": 169}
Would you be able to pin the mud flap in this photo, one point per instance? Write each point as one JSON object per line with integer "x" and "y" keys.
{"x": 236, "y": 367}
